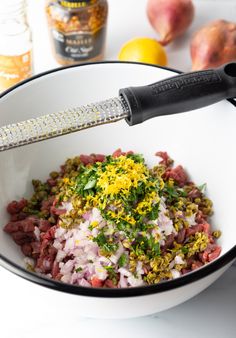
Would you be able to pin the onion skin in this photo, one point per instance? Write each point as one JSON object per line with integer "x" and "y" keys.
{"x": 170, "y": 18}
{"x": 213, "y": 45}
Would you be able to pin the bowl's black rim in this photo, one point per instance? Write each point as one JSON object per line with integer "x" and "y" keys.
{"x": 191, "y": 277}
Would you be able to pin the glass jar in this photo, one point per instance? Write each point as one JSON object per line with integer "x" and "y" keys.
{"x": 15, "y": 43}
{"x": 77, "y": 29}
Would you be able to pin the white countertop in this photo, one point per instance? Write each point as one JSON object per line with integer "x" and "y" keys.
{"x": 210, "y": 314}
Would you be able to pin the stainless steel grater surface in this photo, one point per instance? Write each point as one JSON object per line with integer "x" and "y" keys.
{"x": 181, "y": 93}
{"x": 61, "y": 123}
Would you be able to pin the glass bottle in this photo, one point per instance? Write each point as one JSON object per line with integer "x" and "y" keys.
{"x": 77, "y": 29}
{"x": 15, "y": 43}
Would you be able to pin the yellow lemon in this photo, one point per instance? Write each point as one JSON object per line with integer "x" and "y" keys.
{"x": 143, "y": 50}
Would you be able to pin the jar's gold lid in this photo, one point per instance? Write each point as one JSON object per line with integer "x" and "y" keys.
{"x": 76, "y": 3}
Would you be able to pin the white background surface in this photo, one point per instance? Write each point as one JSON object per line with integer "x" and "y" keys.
{"x": 210, "y": 314}
{"x": 127, "y": 19}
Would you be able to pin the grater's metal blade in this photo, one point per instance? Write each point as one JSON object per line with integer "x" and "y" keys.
{"x": 65, "y": 122}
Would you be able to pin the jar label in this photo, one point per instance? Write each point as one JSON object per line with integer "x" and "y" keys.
{"x": 79, "y": 46}
{"x": 14, "y": 69}
{"x": 76, "y": 3}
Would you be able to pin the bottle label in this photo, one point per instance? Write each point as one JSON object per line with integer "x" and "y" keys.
{"x": 79, "y": 46}
{"x": 14, "y": 69}
{"x": 76, "y": 3}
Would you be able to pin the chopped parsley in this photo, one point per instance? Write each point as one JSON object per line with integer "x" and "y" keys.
{"x": 122, "y": 260}
{"x": 79, "y": 269}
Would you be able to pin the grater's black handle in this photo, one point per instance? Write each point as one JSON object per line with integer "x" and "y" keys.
{"x": 180, "y": 93}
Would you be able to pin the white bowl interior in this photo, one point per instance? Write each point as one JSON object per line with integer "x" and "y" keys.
{"x": 202, "y": 141}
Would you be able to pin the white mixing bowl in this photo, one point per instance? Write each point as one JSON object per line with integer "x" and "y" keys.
{"x": 202, "y": 141}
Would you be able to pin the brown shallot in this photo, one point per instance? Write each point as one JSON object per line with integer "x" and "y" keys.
{"x": 170, "y": 18}
{"x": 213, "y": 45}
